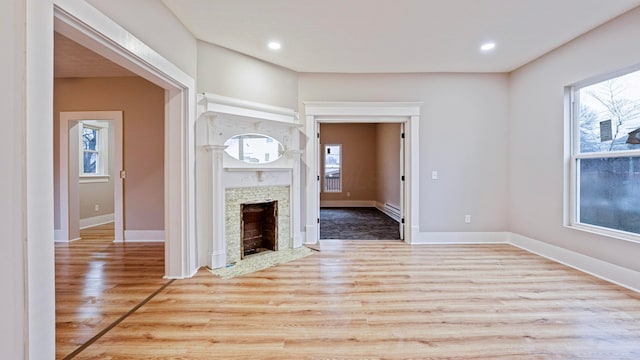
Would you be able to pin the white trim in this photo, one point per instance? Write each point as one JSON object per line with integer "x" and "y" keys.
{"x": 317, "y": 112}
{"x": 87, "y": 179}
{"x": 218, "y": 259}
{"x": 143, "y": 236}
{"x": 214, "y": 103}
{"x": 58, "y": 236}
{"x": 85, "y": 25}
{"x": 96, "y": 220}
{"x": 423, "y": 238}
{"x": 69, "y": 178}
{"x": 618, "y": 275}
{"x": 324, "y": 168}
{"x": 347, "y": 203}
{"x": 391, "y": 210}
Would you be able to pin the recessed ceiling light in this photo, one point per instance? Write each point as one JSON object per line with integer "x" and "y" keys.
{"x": 274, "y": 45}
{"x": 488, "y": 46}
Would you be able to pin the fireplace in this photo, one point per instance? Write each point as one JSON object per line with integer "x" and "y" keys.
{"x": 258, "y": 227}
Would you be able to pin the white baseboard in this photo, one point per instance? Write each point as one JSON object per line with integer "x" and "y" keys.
{"x": 297, "y": 240}
{"x": 96, "y": 220}
{"x": 218, "y": 259}
{"x": 347, "y": 203}
{"x": 391, "y": 211}
{"x": 460, "y": 238}
{"x": 310, "y": 234}
{"x": 624, "y": 277}
{"x": 143, "y": 235}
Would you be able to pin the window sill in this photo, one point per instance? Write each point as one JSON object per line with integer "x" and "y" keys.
{"x": 616, "y": 234}
{"x": 85, "y": 179}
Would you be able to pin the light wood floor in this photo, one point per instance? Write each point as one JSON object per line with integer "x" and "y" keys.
{"x": 98, "y": 281}
{"x": 385, "y": 300}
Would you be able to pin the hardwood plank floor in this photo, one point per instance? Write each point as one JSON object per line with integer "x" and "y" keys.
{"x": 386, "y": 300}
{"x": 98, "y": 281}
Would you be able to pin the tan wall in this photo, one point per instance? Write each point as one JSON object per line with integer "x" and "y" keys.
{"x": 388, "y": 164}
{"x": 358, "y": 160}
{"x": 142, "y": 104}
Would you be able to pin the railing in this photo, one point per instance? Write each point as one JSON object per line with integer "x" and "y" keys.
{"x": 332, "y": 183}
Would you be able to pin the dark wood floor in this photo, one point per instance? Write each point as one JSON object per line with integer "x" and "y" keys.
{"x": 367, "y": 300}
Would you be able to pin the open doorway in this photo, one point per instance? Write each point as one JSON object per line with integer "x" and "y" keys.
{"x": 90, "y": 168}
{"x": 99, "y": 279}
{"x": 405, "y": 113}
{"x": 361, "y": 182}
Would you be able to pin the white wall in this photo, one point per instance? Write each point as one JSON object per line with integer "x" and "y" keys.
{"x": 12, "y": 205}
{"x": 537, "y": 157}
{"x": 225, "y": 72}
{"x": 463, "y": 136}
{"x": 160, "y": 30}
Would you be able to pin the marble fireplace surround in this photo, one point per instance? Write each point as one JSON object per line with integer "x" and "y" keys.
{"x": 225, "y": 182}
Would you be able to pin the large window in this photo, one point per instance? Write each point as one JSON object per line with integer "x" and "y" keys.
{"x": 332, "y": 168}
{"x": 605, "y": 156}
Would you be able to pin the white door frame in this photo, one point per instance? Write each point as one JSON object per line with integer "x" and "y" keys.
{"x": 68, "y": 181}
{"x": 407, "y": 113}
{"x": 84, "y": 25}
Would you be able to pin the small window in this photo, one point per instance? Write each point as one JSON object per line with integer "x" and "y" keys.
{"x": 332, "y": 168}
{"x": 605, "y": 156}
{"x": 94, "y": 138}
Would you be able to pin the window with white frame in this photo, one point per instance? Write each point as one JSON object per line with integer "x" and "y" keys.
{"x": 332, "y": 168}
{"x": 605, "y": 156}
{"x": 94, "y": 147}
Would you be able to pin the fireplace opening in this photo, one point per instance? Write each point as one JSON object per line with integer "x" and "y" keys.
{"x": 258, "y": 227}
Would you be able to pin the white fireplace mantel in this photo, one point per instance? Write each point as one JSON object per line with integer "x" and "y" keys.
{"x": 219, "y": 119}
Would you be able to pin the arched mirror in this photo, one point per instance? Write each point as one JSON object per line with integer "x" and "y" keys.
{"x": 254, "y": 148}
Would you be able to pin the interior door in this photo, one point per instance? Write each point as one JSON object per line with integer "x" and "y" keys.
{"x": 318, "y": 172}
{"x": 402, "y": 181}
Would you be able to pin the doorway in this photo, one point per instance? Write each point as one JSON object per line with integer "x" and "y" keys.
{"x": 405, "y": 113}
{"x": 101, "y": 175}
{"x": 361, "y": 186}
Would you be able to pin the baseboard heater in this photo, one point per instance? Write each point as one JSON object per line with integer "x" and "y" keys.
{"x": 391, "y": 210}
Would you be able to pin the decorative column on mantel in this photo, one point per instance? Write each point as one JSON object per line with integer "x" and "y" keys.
{"x": 295, "y": 197}
{"x": 217, "y": 247}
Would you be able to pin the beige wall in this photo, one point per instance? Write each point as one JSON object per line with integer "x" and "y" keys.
{"x": 142, "y": 104}
{"x": 358, "y": 160}
{"x": 463, "y": 135}
{"x": 538, "y": 147}
{"x": 388, "y": 164}
{"x": 225, "y": 72}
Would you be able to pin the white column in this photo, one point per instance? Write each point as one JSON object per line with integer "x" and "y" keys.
{"x": 312, "y": 206}
{"x": 217, "y": 248}
{"x": 295, "y": 198}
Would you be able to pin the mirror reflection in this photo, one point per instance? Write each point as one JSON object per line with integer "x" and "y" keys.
{"x": 254, "y": 148}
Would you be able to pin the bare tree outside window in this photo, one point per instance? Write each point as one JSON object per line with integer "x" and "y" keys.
{"x": 608, "y": 157}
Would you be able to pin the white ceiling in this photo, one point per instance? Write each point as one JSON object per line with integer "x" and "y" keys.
{"x": 360, "y": 36}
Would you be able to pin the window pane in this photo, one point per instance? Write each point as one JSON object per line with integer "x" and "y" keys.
{"x": 610, "y": 193}
{"x": 89, "y": 138}
{"x": 332, "y": 168}
{"x": 90, "y": 162}
{"x": 609, "y": 114}
{"x": 254, "y": 148}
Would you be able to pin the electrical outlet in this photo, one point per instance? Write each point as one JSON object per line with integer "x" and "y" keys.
{"x": 434, "y": 175}
{"x": 348, "y": 193}
{"x": 97, "y": 207}
{"x": 467, "y": 219}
